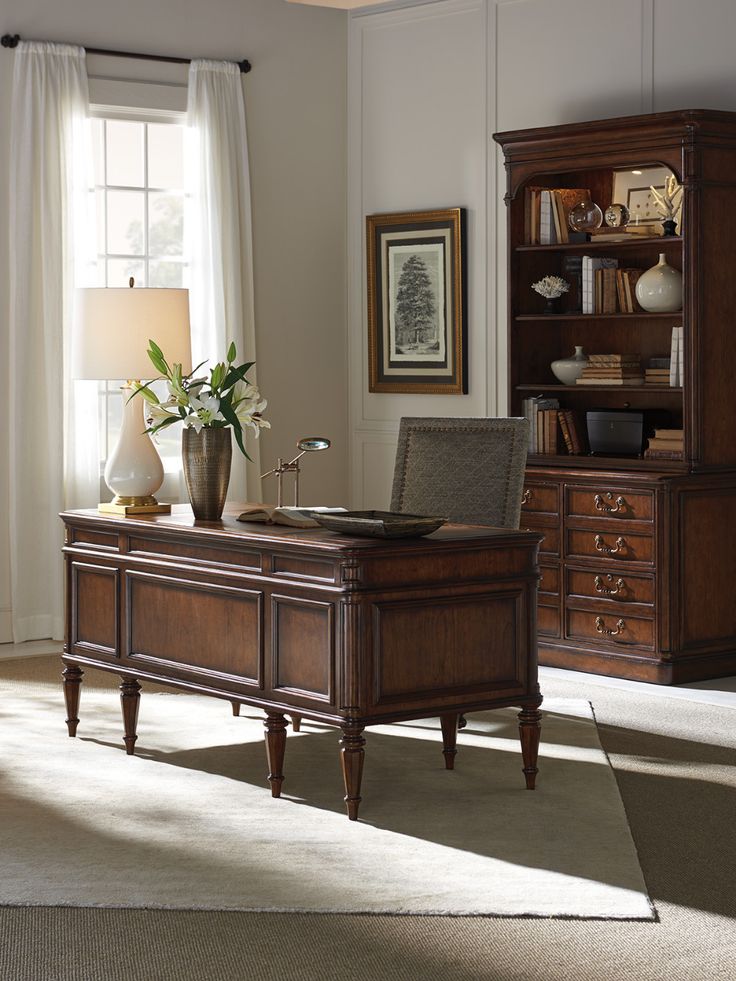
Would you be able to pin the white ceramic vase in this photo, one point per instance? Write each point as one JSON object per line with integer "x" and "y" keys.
{"x": 568, "y": 370}
{"x": 659, "y": 289}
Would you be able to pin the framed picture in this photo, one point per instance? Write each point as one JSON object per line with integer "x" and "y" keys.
{"x": 417, "y": 336}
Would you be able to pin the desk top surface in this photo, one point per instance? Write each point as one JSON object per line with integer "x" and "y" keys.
{"x": 181, "y": 523}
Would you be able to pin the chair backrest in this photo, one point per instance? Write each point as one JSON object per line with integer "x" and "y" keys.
{"x": 471, "y": 470}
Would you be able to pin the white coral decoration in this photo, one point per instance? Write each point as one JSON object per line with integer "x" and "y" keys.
{"x": 551, "y": 287}
{"x": 668, "y": 200}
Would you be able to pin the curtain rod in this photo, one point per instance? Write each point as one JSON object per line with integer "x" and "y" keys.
{"x": 11, "y": 41}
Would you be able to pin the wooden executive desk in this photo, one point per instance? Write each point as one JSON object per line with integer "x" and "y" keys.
{"x": 348, "y": 631}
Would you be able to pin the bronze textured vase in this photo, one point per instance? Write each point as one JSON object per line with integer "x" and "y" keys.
{"x": 206, "y": 457}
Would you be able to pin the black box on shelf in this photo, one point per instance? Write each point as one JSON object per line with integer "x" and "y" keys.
{"x": 615, "y": 431}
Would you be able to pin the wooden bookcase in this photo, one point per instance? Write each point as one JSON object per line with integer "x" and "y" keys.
{"x": 639, "y": 556}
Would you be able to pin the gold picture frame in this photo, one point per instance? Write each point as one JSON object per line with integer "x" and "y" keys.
{"x": 417, "y": 334}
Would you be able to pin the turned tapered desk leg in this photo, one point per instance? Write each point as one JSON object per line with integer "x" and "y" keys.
{"x": 352, "y": 755}
{"x": 530, "y": 729}
{"x": 130, "y": 696}
{"x": 236, "y": 708}
{"x": 296, "y": 722}
{"x": 72, "y": 675}
{"x": 448, "y": 721}
{"x": 275, "y": 747}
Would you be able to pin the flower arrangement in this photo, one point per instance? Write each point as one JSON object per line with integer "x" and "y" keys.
{"x": 224, "y": 399}
{"x": 551, "y": 287}
{"x": 667, "y": 201}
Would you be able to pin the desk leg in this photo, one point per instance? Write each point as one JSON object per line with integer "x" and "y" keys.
{"x": 72, "y": 675}
{"x": 449, "y": 721}
{"x": 296, "y": 723}
{"x": 352, "y": 755}
{"x": 130, "y": 696}
{"x": 236, "y": 708}
{"x": 275, "y": 747}
{"x": 530, "y": 730}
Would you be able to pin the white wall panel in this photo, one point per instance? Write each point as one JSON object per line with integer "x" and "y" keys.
{"x": 694, "y": 54}
{"x": 377, "y": 454}
{"x": 417, "y": 114}
{"x": 562, "y": 61}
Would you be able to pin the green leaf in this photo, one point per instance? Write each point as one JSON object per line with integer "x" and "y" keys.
{"x": 237, "y": 374}
{"x": 148, "y": 394}
{"x": 163, "y": 425}
{"x": 229, "y": 413}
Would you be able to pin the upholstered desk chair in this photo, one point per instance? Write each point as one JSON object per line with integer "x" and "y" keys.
{"x": 472, "y": 470}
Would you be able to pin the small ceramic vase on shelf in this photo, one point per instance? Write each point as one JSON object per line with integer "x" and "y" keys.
{"x": 659, "y": 289}
{"x": 568, "y": 370}
{"x": 669, "y": 226}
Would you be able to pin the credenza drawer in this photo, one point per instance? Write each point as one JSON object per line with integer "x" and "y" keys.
{"x": 617, "y": 546}
{"x": 550, "y": 579}
{"x": 604, "y": 502}
{"x": 550, "y": 544}
{"x": 610, "y": 586}
{"x": 540, "y": 498}
{"x": 548, "y": 621}
{"x": 609, "y": 628}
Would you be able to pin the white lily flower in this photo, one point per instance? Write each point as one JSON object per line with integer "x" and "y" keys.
{"x": 195, "y": 423}
{"x": 160, "y": 413}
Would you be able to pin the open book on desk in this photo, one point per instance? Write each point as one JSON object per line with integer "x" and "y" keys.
{"x": 271, "y": 515}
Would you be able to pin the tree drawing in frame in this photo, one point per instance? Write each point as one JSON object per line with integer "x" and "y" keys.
{"x": 416, "y": 302}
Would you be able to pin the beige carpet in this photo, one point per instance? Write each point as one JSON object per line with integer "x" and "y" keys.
{"x": 189, "y": 823}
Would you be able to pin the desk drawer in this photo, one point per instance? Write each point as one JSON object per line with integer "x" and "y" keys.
{"x": 610, "y": 545}
{"x": 616, "y": 628}
{"x": 612, "y": 587}
{"x": 608, "y": 502}
{"x": 548, "y": 621}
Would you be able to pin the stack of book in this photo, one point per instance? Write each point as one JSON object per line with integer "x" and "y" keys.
{"x": 666, "y": 444}
{"x": 608, "y": 289}
{"x": 572, "y": 433}
{"x": 546, "y": 213}
{"x": 612, "y": 369}
{"x": 657, "y": 371}
{"x": 543, "y": 426}
{"x": 677, "y": 358}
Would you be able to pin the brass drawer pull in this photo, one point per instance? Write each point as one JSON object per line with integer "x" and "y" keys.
{"x": 618, "y": 587}
{"x": 600, "y": 545}
{"x": 526, "y": 497}
{"x": 600, "y": 505}
{"x": 601, "y": 628}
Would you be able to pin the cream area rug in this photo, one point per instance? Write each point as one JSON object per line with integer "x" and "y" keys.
{"x": 189, "y": 822}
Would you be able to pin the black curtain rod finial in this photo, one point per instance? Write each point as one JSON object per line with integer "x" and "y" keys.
{"x": 11, "y": 41}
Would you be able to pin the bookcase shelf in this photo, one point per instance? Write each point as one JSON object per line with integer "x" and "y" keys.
{"x": 663, "y": 527}
{"x": 661, "y": 242}
{"x": 641, "y": 315}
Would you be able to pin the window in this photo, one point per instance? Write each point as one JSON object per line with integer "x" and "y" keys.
{"x": 139, "y": 187}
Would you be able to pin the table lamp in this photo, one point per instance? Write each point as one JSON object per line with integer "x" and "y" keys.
{"x": 112, "y": 328}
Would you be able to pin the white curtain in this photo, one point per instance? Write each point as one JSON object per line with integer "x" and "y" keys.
{"x": 54, "y": 461}
{"x": 219, "y": 235}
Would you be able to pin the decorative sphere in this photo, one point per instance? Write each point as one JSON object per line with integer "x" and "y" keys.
{"x": 616, "y": 215}
{"x": 585, "y": 217}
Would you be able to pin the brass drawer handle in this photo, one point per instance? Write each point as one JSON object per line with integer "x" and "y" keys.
{"x": 601, "y": 628}
{"x": 618, "y": 587}
{"x": 526, "y": 497}
{"x": 618, "y": 505}
{"x": 600, "y": 545}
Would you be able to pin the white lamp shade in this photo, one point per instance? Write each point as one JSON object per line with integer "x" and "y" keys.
{"x": 112, "y": 329}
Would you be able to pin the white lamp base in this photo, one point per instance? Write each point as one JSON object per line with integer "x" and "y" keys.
{"x": 134, "y": 471}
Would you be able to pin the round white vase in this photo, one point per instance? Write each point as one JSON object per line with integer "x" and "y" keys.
{"x": 659, "y": 289}
{"x": 568, "y": 370}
